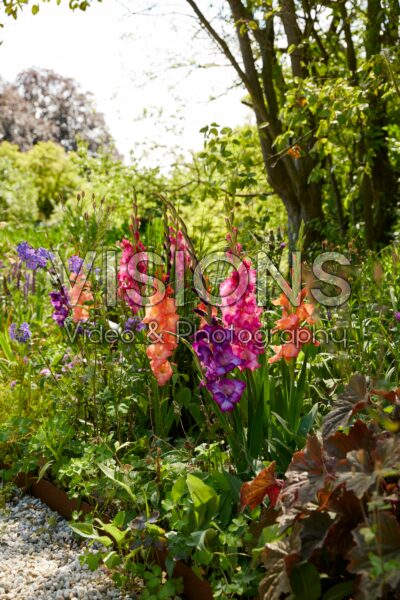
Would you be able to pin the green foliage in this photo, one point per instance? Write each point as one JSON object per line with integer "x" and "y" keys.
{"x": 18, "y": 192}
{"x": 33, "y": 182}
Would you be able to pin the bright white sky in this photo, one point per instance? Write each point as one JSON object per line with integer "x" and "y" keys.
{"x": 125, "y": 61}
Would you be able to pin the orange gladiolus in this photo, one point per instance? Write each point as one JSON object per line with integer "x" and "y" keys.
{"x": 204, "y": 309}
{"x": 292, "y": 321}
{"x": 81, "y": 297}
{"x": 162, "y": 320}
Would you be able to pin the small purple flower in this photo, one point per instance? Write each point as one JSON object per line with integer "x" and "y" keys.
{"x": 75, "y": 264}
{"x": 45, "y": 372}
{"x": 59, "y": 300}
{"x": 134, "y": 324}
{"x": 25, "y": 251}
{"x": 42, "y": 256}
{"x": 13, "y": 384}
{"x": 34, "y": 259}
{"x": 397, "y": 316}
{"x": 282, "y": 245}
{"x": 21, "y": 335}
{"x": 226, "y": 392}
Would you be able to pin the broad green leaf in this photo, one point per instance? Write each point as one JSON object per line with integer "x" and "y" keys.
{"x": 339, "y": 591}
{"x": 305, "y": 582}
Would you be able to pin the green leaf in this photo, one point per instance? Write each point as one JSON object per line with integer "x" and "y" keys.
{"x": 339, "y": 591}
{"x": 6, "y": 347}
{"x": 108, "y": 472}
{"x": 305, "y": 582}
{"x": 113, "y": 531}
{"x": 35, "y": 9}
{"x": 91, "y": 560}
{"x": 43, "y": 470}
{"x": 112, "y": 560}
{"x": 83, "y": 529}
{"x": 87, "y": 530}
{"x": 199, "y": 491}
{"x": 204, "y": 498}
{"x": 307, "y": 421}
{"x": 178, "y": 489}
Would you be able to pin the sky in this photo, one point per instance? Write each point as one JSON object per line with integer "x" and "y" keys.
{"x": 140, "y": 68}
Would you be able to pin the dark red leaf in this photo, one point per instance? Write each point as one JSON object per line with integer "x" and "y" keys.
{"x": 253, "y": 492}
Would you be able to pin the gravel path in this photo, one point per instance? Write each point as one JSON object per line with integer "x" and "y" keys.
{"x": 39, "y": 557}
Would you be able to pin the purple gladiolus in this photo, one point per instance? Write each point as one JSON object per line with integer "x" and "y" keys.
{"x": 217, "y": 361}
{"x": 213, "y": 347}
{"x": 22, "y": 334}
{"x": 59, "y": 300}
{"x": 226, "y": 392}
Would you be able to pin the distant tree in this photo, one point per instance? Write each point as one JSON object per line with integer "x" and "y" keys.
{"x": 44, "y": 106}
{"x": 33, "y": 182}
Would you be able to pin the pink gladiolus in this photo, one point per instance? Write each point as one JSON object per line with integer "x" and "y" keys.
{"x": 241, "y": 313}
{"x": 128, "y": 272}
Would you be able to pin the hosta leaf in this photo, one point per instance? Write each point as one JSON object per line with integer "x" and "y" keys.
{"x": 354, "y": 399}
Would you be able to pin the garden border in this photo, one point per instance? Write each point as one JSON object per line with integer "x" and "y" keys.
{"x": 58, "y": 501}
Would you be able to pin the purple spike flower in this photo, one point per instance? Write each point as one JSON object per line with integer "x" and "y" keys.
{"x": 22, "y": 334}
{"x": 397, "y": 316}
{"x": 34, "y": 259}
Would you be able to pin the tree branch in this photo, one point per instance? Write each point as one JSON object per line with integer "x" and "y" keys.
{"x": 219, "y": 41}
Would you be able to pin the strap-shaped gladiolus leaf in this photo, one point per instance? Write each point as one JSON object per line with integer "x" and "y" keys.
{"x": 353, "y": 400}
{"x": 253, "y": 492}
{"x": 376, "y": 557}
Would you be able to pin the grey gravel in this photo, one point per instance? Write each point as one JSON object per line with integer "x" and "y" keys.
{"x": 39, "y": 557}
